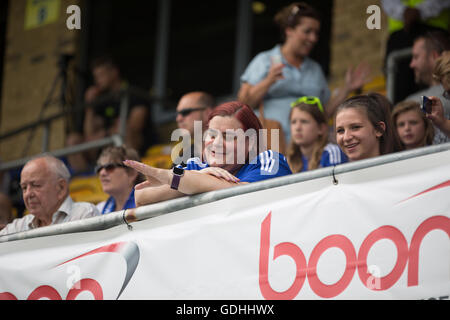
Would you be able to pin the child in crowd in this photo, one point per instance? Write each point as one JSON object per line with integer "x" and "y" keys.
{"x": 413, "y": 127}
{"x": 309, "y": 148}
{"x": 364, "y": 127}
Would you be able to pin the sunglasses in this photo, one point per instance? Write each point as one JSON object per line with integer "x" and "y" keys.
{"x": 187, "y": 111}
{"x": 109, "y": 167}
{"x": 308, "y": 100}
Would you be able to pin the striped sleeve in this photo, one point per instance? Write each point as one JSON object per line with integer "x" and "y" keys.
{"x": 333, "y": 155}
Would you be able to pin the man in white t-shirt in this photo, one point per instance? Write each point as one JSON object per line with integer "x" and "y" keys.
{"x": 45, "y": 186}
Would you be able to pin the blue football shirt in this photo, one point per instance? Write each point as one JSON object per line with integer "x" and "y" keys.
{"x": 268, "y": 164}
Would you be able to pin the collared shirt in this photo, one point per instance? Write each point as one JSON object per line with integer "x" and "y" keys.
{"x": 110, "y": 204}
{"x": 307, "y": 80}
{"x": 68, "y": 211}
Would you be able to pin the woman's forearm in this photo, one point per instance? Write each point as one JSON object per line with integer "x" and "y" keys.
{"x": 155, "y": 194}
{"x": 194, "y": 182}
{"x": 253, "y": 95}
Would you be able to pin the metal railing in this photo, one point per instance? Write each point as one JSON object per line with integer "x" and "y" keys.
{"x": 392, "y": 68}
{"x": 128, "y": 216}
{"x": 116, "y": 139}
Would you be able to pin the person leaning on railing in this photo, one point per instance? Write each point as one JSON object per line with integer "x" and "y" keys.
{"x": 231, "y": 159}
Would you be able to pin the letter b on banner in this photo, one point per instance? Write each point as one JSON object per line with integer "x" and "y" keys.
{"x": 288, "y": 249}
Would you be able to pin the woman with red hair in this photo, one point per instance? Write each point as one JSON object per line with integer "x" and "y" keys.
{"x": 234, "y": 154}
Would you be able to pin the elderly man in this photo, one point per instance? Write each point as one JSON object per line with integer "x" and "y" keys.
{"x": 45, "y": 186}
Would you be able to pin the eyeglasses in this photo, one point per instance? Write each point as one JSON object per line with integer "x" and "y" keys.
{"x": 308, "y": 100}
{"x": 109, "y": 167}
{"x": 446, "y": 94}
{"x": 187, "y": 111}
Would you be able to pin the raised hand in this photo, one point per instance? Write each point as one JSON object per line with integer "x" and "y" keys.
{"x": 356, "y": 78}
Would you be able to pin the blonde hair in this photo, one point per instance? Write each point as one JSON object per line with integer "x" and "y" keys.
{"x": 405, "y": 106}
{"x": 441, "y": 70}
{"x": 294, "y": 153}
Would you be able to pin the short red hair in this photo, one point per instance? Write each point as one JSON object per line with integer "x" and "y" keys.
{"x": 240, "y": 111}
{"x": 245, "y": 115}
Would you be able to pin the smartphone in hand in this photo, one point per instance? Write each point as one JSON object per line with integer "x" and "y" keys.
{"x": 426, "y": 104}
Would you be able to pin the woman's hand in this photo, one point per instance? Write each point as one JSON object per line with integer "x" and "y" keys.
{"x": 356, "y": 78}
{"x": 220, "y": 173}
{"x": 275, "y": 72}
{"x": 155, "y": 176}
{"x": 437, "y": 112}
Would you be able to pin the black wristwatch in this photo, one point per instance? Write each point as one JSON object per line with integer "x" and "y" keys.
{"x": 177, "y": 174}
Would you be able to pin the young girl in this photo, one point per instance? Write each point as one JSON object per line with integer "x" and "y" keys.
{"x": 309, "y": 148}
{"x": 364, "y": 127}
{"x": 413, "y": 127}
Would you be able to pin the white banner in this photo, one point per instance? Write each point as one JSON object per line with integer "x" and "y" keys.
{"x": 380, "y": 233}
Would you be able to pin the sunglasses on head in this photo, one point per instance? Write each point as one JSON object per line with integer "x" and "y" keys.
{"x": 294, "y": 12}
{"x": 187, "y": 111}
{"x": 109, "y": 167}
{"x": 308, "y": 100}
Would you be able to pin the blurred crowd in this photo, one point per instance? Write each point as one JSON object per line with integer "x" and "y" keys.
{"x": 284, "y": 94}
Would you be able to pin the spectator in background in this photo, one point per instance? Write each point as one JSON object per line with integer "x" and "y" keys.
{"x": 364, "y": 127}
{"x": 407, "y": 20}
{"x": 102, "y": 115}
{"x": 441, "y": 73}
{"x": 426, "y": 50}
{"x": 117, "y": 180}
{"x": 5, "y": 210}
{"x": 194, "y": 106}
{"x": 309, "y": 147}
{"x": 276, "y": 77}
{"x": 231, "y": 157}
{"x": 413, "y": 127}
{"x": 45, "y": 186}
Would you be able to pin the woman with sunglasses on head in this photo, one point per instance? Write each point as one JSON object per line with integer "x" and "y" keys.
{"x": 309, "y": 148}
{"x": 413, "y": 127}
{"x": 117, "y": 180}
{"x": 364, "y": 127}
{"x": 234, "y": 154}
{"x": 278, "y": 76}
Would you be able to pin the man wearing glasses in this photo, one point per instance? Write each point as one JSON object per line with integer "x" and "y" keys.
{"x": 194, "y": 107}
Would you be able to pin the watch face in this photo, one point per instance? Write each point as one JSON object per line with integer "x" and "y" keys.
{"x": 178, "y": 171}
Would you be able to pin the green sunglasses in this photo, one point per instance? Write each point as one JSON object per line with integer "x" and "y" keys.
{"x": 308, "y": 100}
